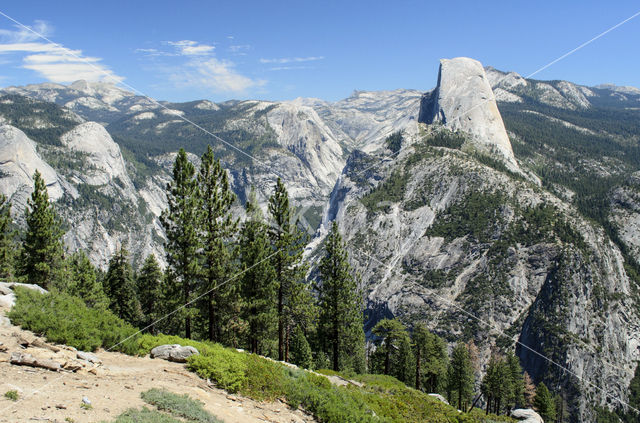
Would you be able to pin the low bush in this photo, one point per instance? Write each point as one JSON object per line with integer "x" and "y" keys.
{"x": 178, "y": 405}
{"x": 12, "y": 395}
{"x": 226, "y": 367}
{"x": 144, "y": 415}
{"x": 67, "y": 320}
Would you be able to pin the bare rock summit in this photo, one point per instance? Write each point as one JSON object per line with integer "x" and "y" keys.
{"x": 463, "y": 101}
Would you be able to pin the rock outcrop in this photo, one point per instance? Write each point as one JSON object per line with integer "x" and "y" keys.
{"x": 526, "y": 415}
{"x": 463, "y": 101}
{"x": 18, "y": 162}
{"x": 176, "y": 353}
{"x": 104, "y": 161}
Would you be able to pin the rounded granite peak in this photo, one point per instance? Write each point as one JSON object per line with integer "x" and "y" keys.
{"x": 464, "y": 101}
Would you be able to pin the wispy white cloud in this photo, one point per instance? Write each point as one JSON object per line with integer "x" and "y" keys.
{"x": 216, "y": 75}
{"x": 240, "y": 49}
{"x": 285, "y": 60}
{"x": 285, "y": 68}
{"x": 22, "y": 35}
{"x": 192, "y": 48}
{"x": 53, "y": 62}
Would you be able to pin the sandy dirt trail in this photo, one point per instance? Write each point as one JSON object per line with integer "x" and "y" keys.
{"x": 111, "y": 387}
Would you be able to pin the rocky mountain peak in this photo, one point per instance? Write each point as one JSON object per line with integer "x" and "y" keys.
{"x": 464, "y": 101}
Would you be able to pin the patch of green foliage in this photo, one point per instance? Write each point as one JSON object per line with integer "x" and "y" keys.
{"x": 389, "y": 191}
{"x": 178, "y": 405}
{"x": 475, "y": 216}
{"x": 67, "y": 320}
{"x": 394, "y": 141}
{"x": 12, "y": 395}
{"x": 226, "y": 367}
{"x": 446, "y": 139}
{"x": 145, "y": 415}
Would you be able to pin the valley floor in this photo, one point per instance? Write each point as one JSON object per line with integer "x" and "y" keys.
{"x": 116, "y": 386}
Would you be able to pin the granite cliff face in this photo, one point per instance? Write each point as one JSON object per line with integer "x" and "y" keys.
{"x": 463, "y": 101}
{"x": 18, "y": 162}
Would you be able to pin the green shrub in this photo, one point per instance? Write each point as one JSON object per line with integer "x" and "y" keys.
{"x": 226, "y": 367}
{"x": 178, "y": 405}
{"x": 12, "y": 395}
{"x": 144, "y": 416}
{"x": 67, "y": 320}
{"x": 266, "y": 380}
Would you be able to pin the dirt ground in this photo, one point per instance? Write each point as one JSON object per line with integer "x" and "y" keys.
{"x": 111, "y": 387}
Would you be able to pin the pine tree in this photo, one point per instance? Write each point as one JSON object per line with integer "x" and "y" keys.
{"x": 436, "y": 360}
{"x": 516, "y": 378}
{"x": 491, "y": 382}
{"x": 7, "y": 247}
{"x": 396, "y": 349}
{"x": 180, "y": 222}
{"x": 460, "y": 376}
{"x": 84, "y": 281}
{"x": 340, "y": 304}
{"x": 42, "y": 252}
{"x": 218, "y": 228}
{"x": 300, "y": 350}
{"x": 149, "y": 289}
{"x": 544, "y": 404}
{"x": 292, "y": 292}
{"x": 119, "y": 287}
{"x": 431, "y": 359}
{"x": 258, "y": 285}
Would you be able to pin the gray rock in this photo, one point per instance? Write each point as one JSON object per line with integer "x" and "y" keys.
{"x": 176, "y": 353}
{"x": 526, "y": 415}
{"x": 91, "y": 358}
{"x": 85, "y": 400}
{"x": 463, "y": 101}
{"x": 439, "y": 398}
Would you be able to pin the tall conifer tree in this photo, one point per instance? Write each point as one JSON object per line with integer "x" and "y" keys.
{"x": 218, "y": 228}
{"x": 180, "y": 222}
{"x": 460, "y": 376}
{"x": 119, "y": 287}
{"x": 84, "y": 281}
{"x": 292, "y": 292}
{"x": 42, "y": 253}
{"x": 258, "y": 284}
{"x": 431, "y": 359}
{"x": 149, "y": 288}
{"x": 340, "y": 304}
{"x": 544, "y": 404}
{"x": 7, "y": 248}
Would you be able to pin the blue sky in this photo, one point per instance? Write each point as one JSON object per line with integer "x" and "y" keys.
{"x": 275, "y": 50}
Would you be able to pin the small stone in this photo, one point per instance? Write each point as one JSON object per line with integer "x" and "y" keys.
{"x": 61, "y": 406}
{"x": 91, "y": 358}
{"x": 85, "y": 400}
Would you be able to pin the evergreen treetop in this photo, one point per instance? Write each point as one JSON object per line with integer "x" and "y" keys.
{"x": 42, "y": 248}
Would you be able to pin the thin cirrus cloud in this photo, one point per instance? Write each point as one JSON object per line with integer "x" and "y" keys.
{"x": 285, "y": 60}
{"x": 53, "y": 62}
{"x": 191, "y": 48}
